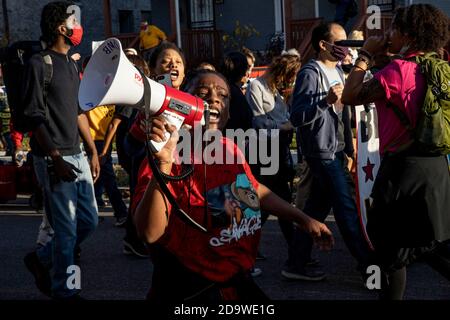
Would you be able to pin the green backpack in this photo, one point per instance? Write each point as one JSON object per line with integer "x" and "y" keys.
{"x": 432, "y": 132}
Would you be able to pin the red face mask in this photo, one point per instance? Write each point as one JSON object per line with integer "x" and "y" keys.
{"x": 76, "y": 35}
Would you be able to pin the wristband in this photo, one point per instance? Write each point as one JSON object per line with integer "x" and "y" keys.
{"x": 365, "y": 53}
{"x": 360, "y": 68}
{"x": 363, "y": 61}
{"x": 363, "y": 58}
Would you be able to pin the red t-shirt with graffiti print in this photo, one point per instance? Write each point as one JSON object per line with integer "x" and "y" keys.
{"x": 233, "y": 219}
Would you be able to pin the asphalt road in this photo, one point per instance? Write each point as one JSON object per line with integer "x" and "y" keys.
{"x": 107, "y": 274}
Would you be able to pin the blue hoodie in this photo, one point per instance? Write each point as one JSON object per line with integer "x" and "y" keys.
{"x": 317, "y": 124}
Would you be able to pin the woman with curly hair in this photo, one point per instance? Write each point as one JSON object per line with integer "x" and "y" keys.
{"x": 270, "y": 111}
{"x": 411, "y": 194}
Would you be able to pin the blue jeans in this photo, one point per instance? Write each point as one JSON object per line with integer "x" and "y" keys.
{"x": 332, "y": 189}
{"x": 107, "y": 180}
{"x": 72, "y": 213}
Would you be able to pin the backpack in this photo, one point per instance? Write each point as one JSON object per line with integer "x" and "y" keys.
{"x": 432, "y": 132}
{"x": 14, "y": 61}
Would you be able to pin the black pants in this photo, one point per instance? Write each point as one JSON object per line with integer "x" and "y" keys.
{"x": 279, "y": 183}
{"x": 172, "y": 281}
{"x": 411, "y": 201}
{"x": 409, "y": 217}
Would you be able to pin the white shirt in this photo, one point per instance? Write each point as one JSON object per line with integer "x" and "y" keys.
{"x": 332, "y": 78}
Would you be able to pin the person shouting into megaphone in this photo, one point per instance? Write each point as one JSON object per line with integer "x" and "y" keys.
{"x": 190, "y": 264}
{"x": 169, "y": 62}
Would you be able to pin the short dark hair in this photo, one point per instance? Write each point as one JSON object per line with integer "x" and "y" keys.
{"x": 425, "y": 24}
{"x": 53, "y": 15}
{"x": 234, "y": 66}
{"x": 322, "y": 32}
{"x": 160, "y": 49}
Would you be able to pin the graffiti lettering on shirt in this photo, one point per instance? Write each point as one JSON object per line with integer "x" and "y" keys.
{"x": 247, "y": 227}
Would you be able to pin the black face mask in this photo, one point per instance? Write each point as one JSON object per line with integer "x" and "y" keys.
{"x": 347, "y": 67}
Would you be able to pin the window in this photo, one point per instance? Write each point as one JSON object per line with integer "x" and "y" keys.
{"x": 126, "y": 21}
{"x": 146, "y": 16}
{"x": 385, "y": 5}
{"x": 202, "y": 14}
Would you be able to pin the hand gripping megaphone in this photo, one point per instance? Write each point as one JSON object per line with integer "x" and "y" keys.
{"x": 110, "y": 78}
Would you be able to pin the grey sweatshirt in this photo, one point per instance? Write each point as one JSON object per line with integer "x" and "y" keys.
{"x": 269, "y": 110}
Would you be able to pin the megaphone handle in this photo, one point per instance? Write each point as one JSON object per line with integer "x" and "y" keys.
{"x": 173, "y": 119}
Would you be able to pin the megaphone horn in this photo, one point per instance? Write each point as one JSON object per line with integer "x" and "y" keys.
{"x": 110, "y": 78}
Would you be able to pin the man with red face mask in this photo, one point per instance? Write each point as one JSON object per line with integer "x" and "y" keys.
{"x": 62, "y": 169}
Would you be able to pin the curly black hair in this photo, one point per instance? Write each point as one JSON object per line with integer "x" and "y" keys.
{"x": 425, "y": 24}
{"x": 234, "y": 66}
{"x": 53, "y": 15}
{"x": 160, "y": 49}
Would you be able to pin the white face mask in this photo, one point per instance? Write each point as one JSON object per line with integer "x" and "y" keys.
{"x": 354, "y": 54}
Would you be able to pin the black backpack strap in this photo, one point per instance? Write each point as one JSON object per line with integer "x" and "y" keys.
{"x": 400, "y": 115}
{"x": 405, "y": 122}
{"x": 75, "y": 65}
{"x": 155, "y": 169}
{"x": 48, "y": 75}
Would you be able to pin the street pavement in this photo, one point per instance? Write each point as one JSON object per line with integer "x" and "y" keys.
{"x": 107, "y": 274}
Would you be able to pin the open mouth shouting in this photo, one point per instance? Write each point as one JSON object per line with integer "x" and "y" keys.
{"x": 174, "y": 74}
{"x": 214, "y": 115}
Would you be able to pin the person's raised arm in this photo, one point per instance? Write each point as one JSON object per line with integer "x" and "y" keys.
{"x": 152, "y": 214}
{"x": 161, "y": 35}
{"x": 356, "y": 91}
